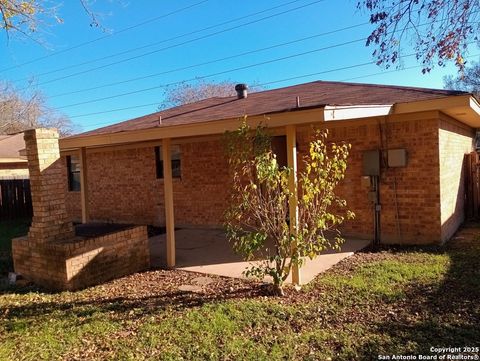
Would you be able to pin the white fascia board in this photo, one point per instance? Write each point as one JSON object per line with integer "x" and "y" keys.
{"x": 13, "y": 160}
{"x": 475, "y": 105}
{"x": 343, "y": 112}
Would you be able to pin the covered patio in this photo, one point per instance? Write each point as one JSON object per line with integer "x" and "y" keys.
{"x": 207, "y": 251}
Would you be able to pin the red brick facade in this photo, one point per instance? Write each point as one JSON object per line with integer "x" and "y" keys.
{"x": 455, "y": 141}
{"x": 123, "y": 186}
{"x": 83, "y": 262}
{"x": 409, "y": 195}
{"x": 51, "y": 255}
{"x": 50, "y": 221}
{"x": 421, "y": 203}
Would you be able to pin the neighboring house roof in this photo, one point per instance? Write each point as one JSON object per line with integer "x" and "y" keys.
{"x": 311, "y": 95}
{"x": 10, "y": 146}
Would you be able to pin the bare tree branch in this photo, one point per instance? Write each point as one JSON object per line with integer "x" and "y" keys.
{"x": 186, "y": 93}
{"x": 454, "y": 25}
{"x": 19, "y": 112}
{"x": 26, "y": 17}
{"x": 469, "y": 80}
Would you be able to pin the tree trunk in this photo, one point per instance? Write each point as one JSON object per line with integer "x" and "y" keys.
{"x": 277, "y": 290}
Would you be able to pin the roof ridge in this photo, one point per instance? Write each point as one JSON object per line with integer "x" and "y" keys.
{"x": 388, "y": 86}
{"x": 419, "y": 89}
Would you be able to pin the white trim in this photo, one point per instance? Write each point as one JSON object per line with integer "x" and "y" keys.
{"x": 13, "y": 160}
{"x": 356, "y": 111}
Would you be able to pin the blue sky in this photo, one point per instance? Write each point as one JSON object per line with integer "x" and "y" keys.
{"x": 311, "y": 18}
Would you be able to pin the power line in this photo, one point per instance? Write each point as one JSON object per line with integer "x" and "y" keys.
{"x": 112, "y": 111}
{"x": 275, "y": 82}
{"x": 177, "y": 45}
{"x": 161, "y": 41}
{"x": 396, "y": 70}
{"x": 263, "y": 84}
{"x": 195, "y": 65}
{"x": 170, "y": 39}
{"x": 214, "y": 74}
{"x": 204, "y": 63}
{"x": 381, "y": 73}
{"x": 217, "y": 73}
{"x": 105, "y": 36}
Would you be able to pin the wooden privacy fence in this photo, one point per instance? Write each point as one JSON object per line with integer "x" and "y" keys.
{"x": 472, "y": 185}
{"x": 15, "y": 198}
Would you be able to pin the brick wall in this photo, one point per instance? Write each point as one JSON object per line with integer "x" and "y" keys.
{"x": 409, "y": 195}
{"x": 123, "y": 186}
{"x": 51, "y": 255}
{"x": 455, "y": 140}
{"x": 47, "y": 185}
{"x": 201, "y": 196}
{"x": 80, "y": 263}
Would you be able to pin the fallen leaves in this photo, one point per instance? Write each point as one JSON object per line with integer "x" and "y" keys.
{"x": 139, "y": 315}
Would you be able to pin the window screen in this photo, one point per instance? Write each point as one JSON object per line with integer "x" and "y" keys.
{"x": 175, "y": 159}
{"x": 73, "y": 169}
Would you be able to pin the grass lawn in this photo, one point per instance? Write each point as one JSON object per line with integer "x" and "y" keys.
{"x": 398, "y": 301}
{"x": 10, "y": 229}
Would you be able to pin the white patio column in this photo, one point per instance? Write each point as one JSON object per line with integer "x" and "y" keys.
{"x": 84, "y": 184}
{"x": 292, "y": 185}
{"x": 168, "y": 194}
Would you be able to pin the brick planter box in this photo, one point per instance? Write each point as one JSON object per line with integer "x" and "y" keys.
{"x": 81, "y": 262}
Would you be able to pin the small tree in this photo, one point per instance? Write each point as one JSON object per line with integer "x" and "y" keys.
{"x": 257, "y": 221}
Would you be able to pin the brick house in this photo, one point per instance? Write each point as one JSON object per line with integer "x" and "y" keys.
{"x": 117, "y": 173}
{"x": 13, "y": 165}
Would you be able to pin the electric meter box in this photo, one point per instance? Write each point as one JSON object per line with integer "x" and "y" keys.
{"x": 371, "y": 162}
{"x": 397, "y": 158}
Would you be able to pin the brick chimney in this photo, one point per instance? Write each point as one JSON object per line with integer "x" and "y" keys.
{"x": 50, "y": 221}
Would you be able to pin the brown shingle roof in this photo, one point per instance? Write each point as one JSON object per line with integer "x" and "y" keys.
{"x": 10, "y": 145}
{"x": 314, "y": 94}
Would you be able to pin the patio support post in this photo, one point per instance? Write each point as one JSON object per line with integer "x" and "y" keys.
{"x": 83, "y": 184}
{"x": 168, "y": 193}
{"x": 292, "y": 184}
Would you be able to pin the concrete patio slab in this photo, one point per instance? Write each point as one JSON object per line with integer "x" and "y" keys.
{"x": 207, "y": 251}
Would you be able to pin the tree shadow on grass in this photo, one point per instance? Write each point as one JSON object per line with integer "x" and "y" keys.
{"x": 444, "y": 316}
{"x": 124, "y": 308}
